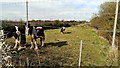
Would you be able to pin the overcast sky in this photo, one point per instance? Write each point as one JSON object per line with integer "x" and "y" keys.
{"x": 50, "y": 9}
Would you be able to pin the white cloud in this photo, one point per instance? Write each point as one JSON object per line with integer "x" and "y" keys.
{"x": 51, "y": 9}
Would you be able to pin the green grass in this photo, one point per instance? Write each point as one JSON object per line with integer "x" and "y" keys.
{"x": 63, "y": 49}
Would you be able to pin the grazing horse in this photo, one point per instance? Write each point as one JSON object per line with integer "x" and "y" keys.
{"x": 36, "y": 32}
{"x": 62, "y": 30}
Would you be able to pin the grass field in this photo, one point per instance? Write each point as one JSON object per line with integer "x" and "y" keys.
{"x": 63, "y": 49}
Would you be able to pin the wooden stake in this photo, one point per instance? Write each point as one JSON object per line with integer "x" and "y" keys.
{"x": 80, "y": 54}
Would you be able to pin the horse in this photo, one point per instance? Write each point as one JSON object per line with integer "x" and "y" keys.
{"x": 16, "y": 32}
{"x": 62, "y": 30}
{"x": 36, "y": 32}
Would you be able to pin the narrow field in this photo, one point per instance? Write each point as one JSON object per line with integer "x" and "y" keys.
{"x": 63, "y": 49}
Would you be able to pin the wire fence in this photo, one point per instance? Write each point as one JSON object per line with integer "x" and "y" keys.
{"x": 24, "y": 60}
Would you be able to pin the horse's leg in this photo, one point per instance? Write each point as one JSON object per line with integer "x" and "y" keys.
{"x": 16, "y": 43}
{"x": 20, "y": 47}
{"x": 20, "y": 42}
{"x": 36, "y": 46}
{"x": 32, "y": 44}
{"x": 41, "y": 41}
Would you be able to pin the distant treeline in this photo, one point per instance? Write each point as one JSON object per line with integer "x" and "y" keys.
{"x": 44, "y": 23}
